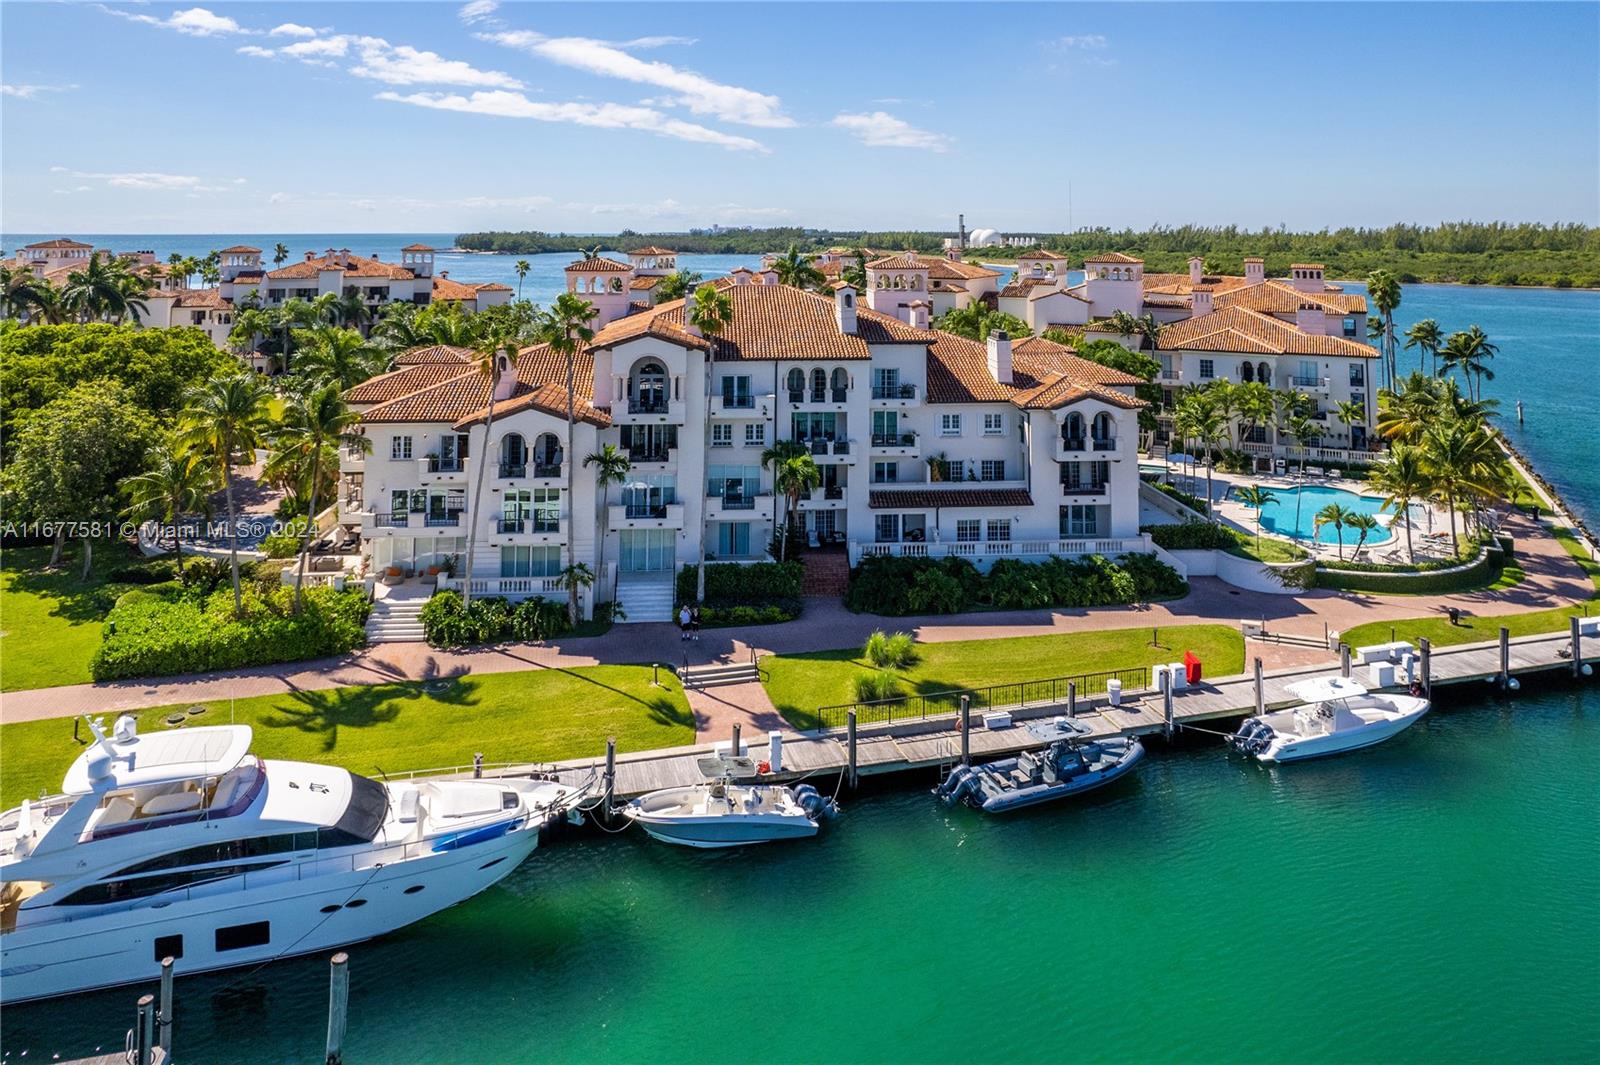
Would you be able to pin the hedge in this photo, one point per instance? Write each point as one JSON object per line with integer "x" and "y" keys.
{"x": 896, "y": 586}
{"x": 1193, "y": 502}
{"x": 448, "y": 622}
{"x": 1481, "y": 571}
{"x": 732, "y": 584}
{"x": 1192, "y": 536}
{"x": 166, "y": 629}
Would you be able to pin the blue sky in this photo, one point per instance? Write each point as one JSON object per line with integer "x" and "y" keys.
{"x": 286, "y": 117}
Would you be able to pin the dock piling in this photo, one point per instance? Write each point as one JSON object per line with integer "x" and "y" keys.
{"x": 1505, "y": 658}
{"x": 850, "y": 744}
{"x": 164, "y": 1014}
{"x": 1427, "y": 666}
{"x": 338, "y": 1000}
{"x": 1261, "y": 690}
{"x": 1072, "y": 698}
{"x": 966, "y": 730}
{"x": 1344, "y": 659}
{"x": 1577, "y": 647}
{"x": 735, "y": 748}
{"x": 610, "y": 778}
{"x": 144, "y": 1030}
{"x": 1166, "y": 700}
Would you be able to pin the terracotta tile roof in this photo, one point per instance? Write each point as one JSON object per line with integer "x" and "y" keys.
{"x": 833, "y": 268}
{"x": 904, "y": 261}
{"x": 1262, "y": 333}
{"x": 928, "y": 498}
{"x": 1112, "y": 257}
{"x": 952, "y": 269}
{"x": 648, "y": 282}
{"x": 958, "y": 372}
{"x": 1042, "y": 253}
{"x": 1305, "y": 266}
{"x": 417, "y": 247}
{"x": 771, "y": 322}
{"x": 1178, "y": 284}
{"x": 240, "y": 249}
{"x": 1039, "y": 347}
{"x": 1022, "y": 286}
{"x": 357, "y": 266}
{"x": 1280, "y": 297}
{"x": 59, "y": 242}
{"x": 248, "y": 276}
{"x": 945, "y": 286}
{"x": 493, "y": 286}
{"x": 202, "y": 298}
{"x": 1161, "y": 299}
{"x": 434, "y": 353}
{"x": 1040, "y": 292}
{"x": 652, "y": 250}
{"x": 463, "y": 399}
{"x": 404, "y": 381}
{"x": 598, "y": 266}
{"x": 446, "y": 290}
{"x": 446, "y": 401}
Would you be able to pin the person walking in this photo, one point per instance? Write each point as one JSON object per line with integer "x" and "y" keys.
{"x": 684, "y": 620}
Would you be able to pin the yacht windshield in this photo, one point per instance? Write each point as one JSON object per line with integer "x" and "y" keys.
{"x": 369, "y": 806}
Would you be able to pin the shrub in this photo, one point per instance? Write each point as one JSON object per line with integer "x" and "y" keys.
{"x": 537, "y": 619}
{"x": 716, "y": 617}
{"x": 156, "y": 571}
{"x": 897, "y": 586}
{"x": 733, "y": 584}
{"x": 204, "y": 574}
{"x": 935, "y": 592}
{"x": 1193, "y": 502}
{"x": 1192, "y": 536}
{"x": 881, "y": 584}
{"x": 878, "y": 684}
{"x": 1152, "y": 578}
{"x": 163, "y": 630}
{"x": 894, "y": 652}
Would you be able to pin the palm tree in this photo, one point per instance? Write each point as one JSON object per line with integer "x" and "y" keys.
{"x": 794, "y": 477}
{"x": 1468, "y": 352}
{"x": 315, "y": 425}
{"x": 49, "y": 304}
{"x": 1403, "y": 478}
{"x": 250, "y": 324}
{"x": 610, "y": 467}
{"x": 1123, "y": 324}
{"x": 711, "y": 313}
{"x": 1454, "y": 455}
{"x": 1336, "y": 515}
{"x": 226, "y": 416}
{"x": 1255, "y": 405}
{"x": 294, "y": 314}
{"x": 1350, "y": 411}
{"x": 796, "y": 269}
{"x": 1149, "y": 329}
{"x": 20, "y": 291}
{"x": 280, "y": 253}
{"x": 522, "y": 269}
{"x": 854, "y": 271}
{"x": 1256, "y": 498}
{"x": 1384, "y": 289}
{"x": 1425, "y": 335}
{"x": 567, "y": 329}
{"x": 773, "y": 458}
{"x": 676, "y": 286}
{"x": 1363, "y": 524}
{"x": 175, "y": 270}
{"x": 351, "y": 311}
{"x": 325, "y": 308}
{"x": 175, "y": 482}
{"x": 487, "y": 364}
{"x": 99, "y": 289}
{"x": 1207, "y": 426}
{"x": 575, "y": 578}
{"x": 340, "y": 356}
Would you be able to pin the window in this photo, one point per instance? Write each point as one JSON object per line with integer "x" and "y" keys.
{"x": 1208, "y": 368}
{"x": 168, "y": 947}
{"x": 885, "y": 382}
{"x": 968, "y": 530}
{"x": 1349, "y": 327}
{"x": 721, "y": 435}
{"x": 239, "y": 936}
{"x": 530, "y": 561}
{"x": 734, "y": 485}
{"x": 886, "y": 528}
{"x": 1307, "y": 374}
{"x": 994, "y": 425}
{"x": 736, "y": 392}
{"x": 400, "y": 447}
{"x": 949, "y": 425}
{"x": 997, "y": 529}
{"x": 1358, "y": 375}
{"x": 755, "y": 434}
{"x": 1084, "y": 476}
{"x": 885, "y": 472}
{"x": 992, "y": 470}
{"x": 947, "y": 470}
{"x": 733, "y": 539}
{"x": 1080, "y": 520}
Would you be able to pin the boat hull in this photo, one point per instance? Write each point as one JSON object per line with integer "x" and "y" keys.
{"x": 711, "y": 833}
{"x": 303, "y": 914}
{"x": 1303, "y": 749}
{"x": 1040, "y": 794}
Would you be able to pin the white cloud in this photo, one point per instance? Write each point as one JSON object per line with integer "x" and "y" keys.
{"x": 604, "y": 116}
{"x": 477, "y": 11}
{"x": 30, "y": 92}
{"x": 404, "y": 65}
{"x": 193, "y": 22}
{"x": 257, "y": 51}
{"x": 1088, "y": 42}
{"x": 292, "y": 29}
{"x": 698, "y": 93}
{"x": 148, "y": 180}
{"x": 657, "y": 42}
{"x": 882, "y": 130}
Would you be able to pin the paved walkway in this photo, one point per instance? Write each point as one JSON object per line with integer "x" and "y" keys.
{"x": 1553, "y": 580}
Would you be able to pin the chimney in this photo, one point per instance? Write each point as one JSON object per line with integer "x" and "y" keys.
{"x": 1310, "y": 318}
{"x": 1255, "y": 271}
{"x": 1197, "y": 269}
{"x": 844, "y": 307}
{"x": 310, "y": 255}
{"x": 919, "y": 314}
{"x": 688, "y": 315}
{"x": 999, "y": 351}
{"x": 1200, "y": 303}
{"x": 1307, "y": 277}
{"x": 445, "y": 274}
{"x": 507, "y": 383}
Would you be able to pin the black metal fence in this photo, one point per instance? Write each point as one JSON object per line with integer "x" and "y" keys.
{"x": 1051, "y": 691}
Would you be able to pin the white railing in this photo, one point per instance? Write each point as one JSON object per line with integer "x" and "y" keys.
{"x": 988, "y": 550}
{"x": 1294, "y": 453}
{"x": 506, "y": 586}
{"x": 335, "y": 579}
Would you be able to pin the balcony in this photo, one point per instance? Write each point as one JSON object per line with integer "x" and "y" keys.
{"x": 824, "y": 497}
{"x": 740, "y": 507}
{"x": 645, "y": 515}
{"x": 397, "y": 519}
{"x": 352, "y": 459}
{"x": 450, "y": 520}
{"x": 823, "y": 451}
{"x": 1085, "y": 488}
{"x": 896, "y": 395}
{"x": 653, "y": 456}
{"x": 820, "y": 398}
{"x": 1306, "y": 384}
{"x": 646, "y": 410}
{"x": 519, "y": 471}
{"x": 529, "y": 528}
{"x": 431, "y": 469}
{"x": 903, "y": 444}
{"x": 1074, "y": 448}
{"x": 748, "y": 408}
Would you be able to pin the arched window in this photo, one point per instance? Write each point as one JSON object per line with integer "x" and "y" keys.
{"x": 883, "y": 282}
{"x": 1072, "y": 431}
{"x": 616, "y": 284}
{"x": 1103, "y": 429}
{"x": 819, "y": 385}
{"x": 649, "y": 388}
{"x": 916, "y": 282}
{"x": 547, "y": 455}
{"x": 1264, "y": 373}
{"x": 797, "y": 385}
{"x": 841, "y": 384}
{"x": 513, "y": 455}
{"x": 849, "y": 301}
{"x": 1247, "y": 373}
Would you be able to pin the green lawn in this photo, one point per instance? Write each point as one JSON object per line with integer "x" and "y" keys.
{"x": 1271, "y": 550}
{"x": 50, "y": 620}
{"x": 799, "y": 684}
{"x": 1441, "y": 633}
{"x": 537, "y": 715}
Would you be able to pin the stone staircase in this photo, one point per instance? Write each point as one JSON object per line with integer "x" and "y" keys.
{"x": 645, "y": 600}
{"x": 718, "y": 674}
{"x": 827, "y": 573}
{"x": 395, "y": 621}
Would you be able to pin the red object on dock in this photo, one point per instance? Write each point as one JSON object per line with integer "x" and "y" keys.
{"x": 1191, "y": 667}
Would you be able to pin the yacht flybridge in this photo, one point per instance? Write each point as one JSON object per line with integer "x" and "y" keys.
{"x": 1336, "y": 715}
{"x": 184, "y": 844}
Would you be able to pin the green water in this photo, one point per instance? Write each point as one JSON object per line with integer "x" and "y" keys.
{"x": 1432, "y": 899}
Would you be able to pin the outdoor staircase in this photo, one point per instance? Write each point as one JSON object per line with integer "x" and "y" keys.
{"x": 645, "y": 600}
{"x": 716, "y": 675}
{"x": 827, "y": 573}
{"x": 395, "y": 621}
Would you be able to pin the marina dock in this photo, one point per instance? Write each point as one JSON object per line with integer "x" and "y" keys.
{"x": 935, "y": 741}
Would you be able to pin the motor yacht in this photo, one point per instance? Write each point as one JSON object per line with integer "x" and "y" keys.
{"x": 182, "y": 843}
{"x": 1335, "y": 715}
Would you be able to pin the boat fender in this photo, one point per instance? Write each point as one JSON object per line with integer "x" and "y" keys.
{"x": 763, "y": 768}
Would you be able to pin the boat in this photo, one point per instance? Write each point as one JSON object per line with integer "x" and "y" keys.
{"x": 1335, "y": 715}
{"x": 1068, "y": 765}
{"x": 725, "y": 810}
{"x": 182, "y": 843}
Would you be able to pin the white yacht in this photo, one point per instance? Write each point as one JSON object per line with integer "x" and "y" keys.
{"x": 725, "y": 812}
{"x": 1336, "y": 715}
{"x": 183, "y": 843}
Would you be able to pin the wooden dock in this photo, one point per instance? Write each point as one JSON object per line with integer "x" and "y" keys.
{"x": 936, "y": 741}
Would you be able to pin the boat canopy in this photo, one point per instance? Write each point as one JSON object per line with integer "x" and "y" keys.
{"x": 159, "y": 758}
{"x": 1326, "y": 689}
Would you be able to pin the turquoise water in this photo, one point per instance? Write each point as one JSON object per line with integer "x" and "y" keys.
{"x": 1432, "y": 899}
{"x": 1293, "y": 512}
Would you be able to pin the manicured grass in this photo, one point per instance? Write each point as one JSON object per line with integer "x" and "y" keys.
{"x": 1271, "y": 550}
{"x": 537, "y": 715}
{"x": 799, "y": 684}
{"x": 49, "y": 619}
{"x": 1441, "y": 633}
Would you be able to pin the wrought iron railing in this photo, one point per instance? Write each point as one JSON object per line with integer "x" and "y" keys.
{"x": 1052, "y": 691}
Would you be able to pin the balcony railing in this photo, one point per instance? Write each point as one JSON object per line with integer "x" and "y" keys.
{"x": 510, "y": 525}
{"x": 397, "y": 519}
{"x": 894, "y": 439}
{"x": 738, "y": 402}
{"x": 513, "y": 469}
{"x": 649, "y": 454}
{"x": 1105, "y": 443}
{"x": 896, "y": 391}
{"x": 1073, "y": 443}
{"x": 438, "y": 464}
{"x": 1084, "y": 488}
{"x": 740, "y": 502}
{"x": 819, "y": 395}
{"x": 651, "y": 405}
{"x": 645, "y": 510}
{"x": 442, "y": 521}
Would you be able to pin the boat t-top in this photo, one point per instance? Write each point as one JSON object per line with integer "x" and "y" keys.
{"x": 727, "y": 811}
{"x": 1335, "y": 715}
{"x": 184, "y": 844}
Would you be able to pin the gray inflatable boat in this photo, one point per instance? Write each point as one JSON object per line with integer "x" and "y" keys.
{"x": 1066, "y": 767}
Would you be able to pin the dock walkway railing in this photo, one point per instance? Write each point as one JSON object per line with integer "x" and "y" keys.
{"x": 1053, "y": 691}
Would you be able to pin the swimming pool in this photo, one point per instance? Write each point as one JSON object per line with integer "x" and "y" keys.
{"x": 1293, "y": 512}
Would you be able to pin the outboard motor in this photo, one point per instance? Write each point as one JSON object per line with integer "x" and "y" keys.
{"x": 958, "y": 785}
{"x": 812, "y": 802}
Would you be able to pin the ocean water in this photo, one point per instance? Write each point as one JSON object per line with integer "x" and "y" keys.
{"x": 1432, "y": 899}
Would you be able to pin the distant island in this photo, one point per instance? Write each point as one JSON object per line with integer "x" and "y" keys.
{"x": 1562, "y": 255}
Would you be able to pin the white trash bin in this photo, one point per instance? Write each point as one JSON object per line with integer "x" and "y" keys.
{"x": 1114, "y": 691}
